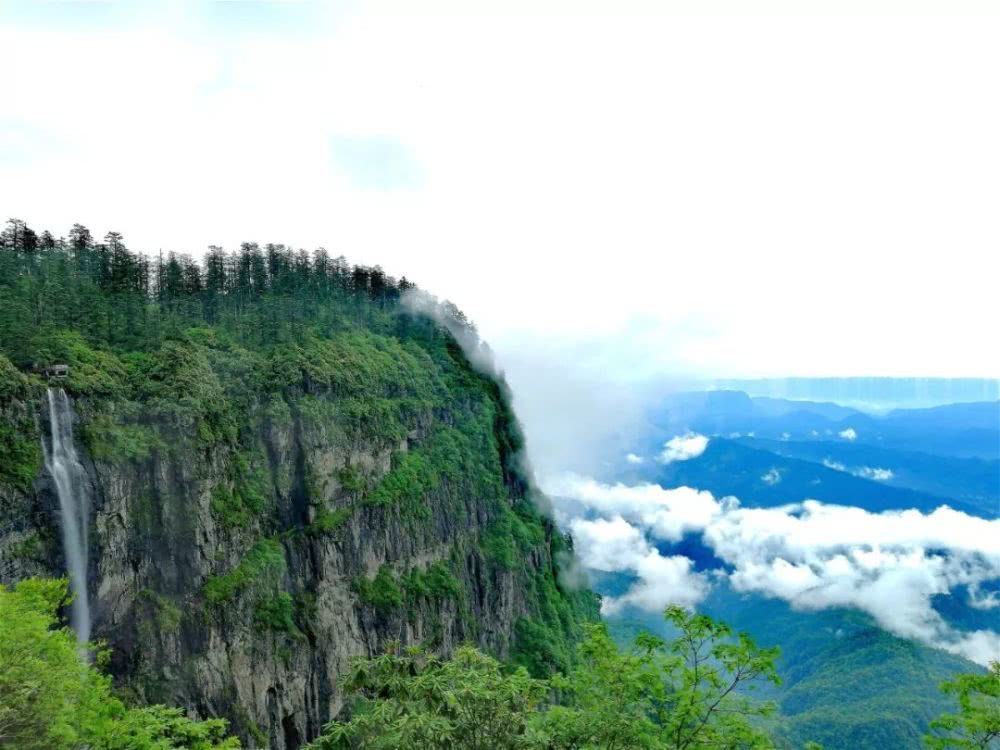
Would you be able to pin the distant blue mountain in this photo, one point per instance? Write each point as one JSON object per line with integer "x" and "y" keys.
{"x": 973, "y": 481}
{"x": 726, "y": 412}
{"x": 970, "y": 430}
{"x": 762, "y": 478}
{"x": 878, "y": 393}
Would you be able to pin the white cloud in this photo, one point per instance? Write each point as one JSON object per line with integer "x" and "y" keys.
{"x": 983, "y": 600}
{"x": 614, "y": 545}
{"x": 669, "y": 513}
{"x": 611, "y": 544}
{"x": 682, "y": 448}
{"x": 772, "y": 477}
{"x": 475, "y": 349}
{"x": 634, "y": 459}
{"x": 848, "y": 434}
{"x": 814, "y": 555}
{"x": 866, "y": 472}
{"x": 889, "y": 564}
{"x": 879, "y": 475}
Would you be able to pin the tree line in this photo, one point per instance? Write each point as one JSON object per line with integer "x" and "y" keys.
{"x": 128, "y": 300}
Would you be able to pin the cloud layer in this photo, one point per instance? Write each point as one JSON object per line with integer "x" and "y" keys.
{"x": 682, "y": 448}
{"x": 617, "y": 545}
{"x": 810, "y": 554}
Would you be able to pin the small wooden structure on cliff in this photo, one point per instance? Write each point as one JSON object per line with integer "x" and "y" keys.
{"x": 51, "y": 371}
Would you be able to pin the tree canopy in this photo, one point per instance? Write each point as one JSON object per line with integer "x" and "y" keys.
{"x": 128, "y": 301}
{"x": 691, "y": 693}
{"x": 53, "y": 698}
{"x": 976, "y": 726}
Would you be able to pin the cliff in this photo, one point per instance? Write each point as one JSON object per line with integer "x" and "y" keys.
{"x": 261, "y": 514}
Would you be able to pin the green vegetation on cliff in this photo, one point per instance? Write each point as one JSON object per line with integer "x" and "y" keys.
{"x": 289, "y": 441}
{"x": 173, "y": 356}
{"x": 20, "y": 451}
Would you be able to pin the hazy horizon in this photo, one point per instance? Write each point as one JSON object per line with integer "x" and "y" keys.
{"x": 628, "y": 191}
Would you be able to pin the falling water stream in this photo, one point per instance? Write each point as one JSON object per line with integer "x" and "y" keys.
{"x": 72, "y": 487}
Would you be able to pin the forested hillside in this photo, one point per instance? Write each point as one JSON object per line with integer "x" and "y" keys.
{"x": 289, "y": 466}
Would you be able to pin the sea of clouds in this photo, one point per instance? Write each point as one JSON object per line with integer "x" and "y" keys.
{"x": 811, "y": 554}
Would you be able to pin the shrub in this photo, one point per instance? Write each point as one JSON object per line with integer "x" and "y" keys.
{"x": 277, "y": 613}
{"x": 381, "y": 592}
{"x": 329, "y": 521}
{"x": 261, "y": 566}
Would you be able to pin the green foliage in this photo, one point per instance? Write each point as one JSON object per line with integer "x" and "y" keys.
{"x": 166, "y": 614}
{"x": 29, "y": 548}
{"x": 688, "y": 694}
{"x": 51, "y": 698}
{"x": 13, "y": 383}
{"x": 20, "y": 458}
{"x": 163, "y": 728}
{"x": 48, "y": 697}
{"x": 351, "y": 479}
{"x": 511, "y": 535}
{"x": 329, "y": 521}
{"x": 179, "y": 384}
{"x": 355, "y": 363}
{"x": 277, "y": 613}
{"x": 259, "y": 569}
{"x": 436, "y": 583}
{"x": 455, "y": 456}
{"x": 543, "y": 642}
{"x": 539, "y": 647}
{"x": 92, "y": 371}
{"x": 381, "y": 592}
{"x": 107, "y": 440}
{"x": 407, "y": 698}
{"x": 20, "y": 451}
{"x": 238, "y": 505}
{"x": 408, "y": 482}
{"x": 976, "y": 726}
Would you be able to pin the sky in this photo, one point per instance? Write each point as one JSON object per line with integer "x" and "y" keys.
{"x": 611, "y": 191}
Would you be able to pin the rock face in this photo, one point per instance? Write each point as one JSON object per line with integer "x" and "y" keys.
{"x": 259, "y": 521}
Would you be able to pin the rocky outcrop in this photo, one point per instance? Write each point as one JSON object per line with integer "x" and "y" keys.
{"x": 238, "y": 573}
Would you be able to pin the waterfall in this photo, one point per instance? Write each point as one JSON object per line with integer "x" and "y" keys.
{"x": 72, "y": 486}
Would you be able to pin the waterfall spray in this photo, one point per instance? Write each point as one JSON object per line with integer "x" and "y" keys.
{"x": 72, "y": 487}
